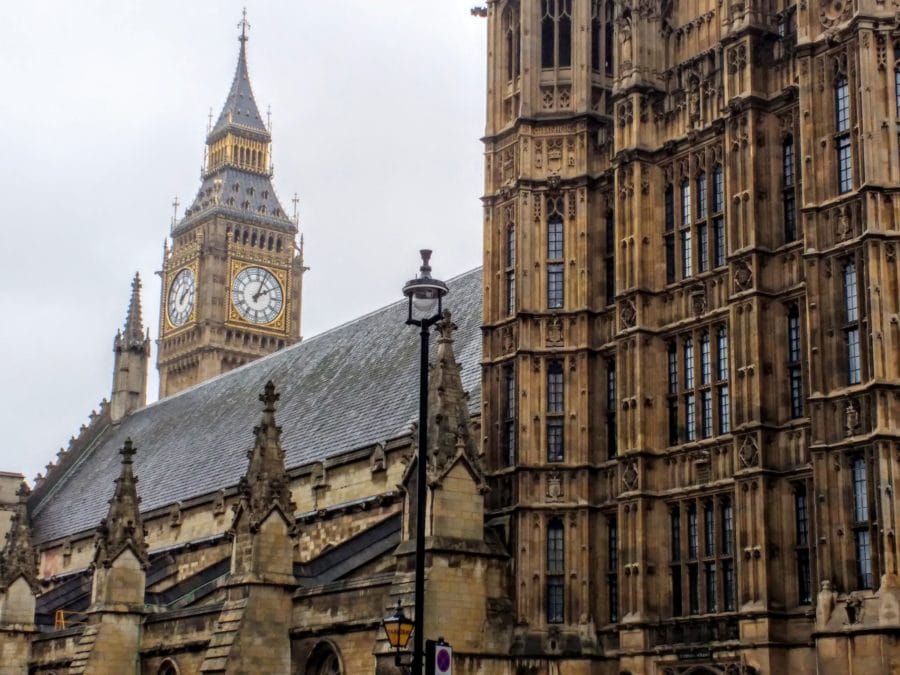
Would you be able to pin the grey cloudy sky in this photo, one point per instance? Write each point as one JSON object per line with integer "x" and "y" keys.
{"x": 377, "y": 108}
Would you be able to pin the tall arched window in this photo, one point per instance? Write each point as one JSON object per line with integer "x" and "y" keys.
{"x": 897, "y": 75}
{"x": 513, "y": 45}
{"x": 670, "y": 233}
{"x": 787, "y": 185}
{"x": 687, "y": 261}
{"x": 555, "y": 254}
{"x": 609, "y": 47}
{"x": 510, "y": 269}
{"x": 556, "y": 33}
{"x": 718, "y": 207}
{"x": 842, "y": 127}
{"x": 555, "y": 571}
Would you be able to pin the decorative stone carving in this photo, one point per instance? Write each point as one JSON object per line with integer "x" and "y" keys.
{"x": 749, "y": 452}
{"x": 628, "y": 314}
{"x": 743, "y": 276}
{"x": 554, "y": 334}
{"x": 175, "y": 515}
{"x": 851, "y": 416}
{"x": 378, "y": 459}
{"x": 630, "y": 476}
{"x": 554, "y": 487}
{"x": 219, "y": 503}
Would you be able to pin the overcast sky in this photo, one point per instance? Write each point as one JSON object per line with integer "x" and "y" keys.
{"x": 377, "y": 110}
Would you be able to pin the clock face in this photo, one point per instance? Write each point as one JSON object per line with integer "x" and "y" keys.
{"x": 181, "y": 297}
{"x": 257, "y": 295}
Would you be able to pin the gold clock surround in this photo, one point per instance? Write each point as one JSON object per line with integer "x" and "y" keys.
{"x": 193, "y": 267}
{"x": 278, "y": 326}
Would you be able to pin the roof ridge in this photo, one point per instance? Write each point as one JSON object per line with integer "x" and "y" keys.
{"x": 296, "y": 345}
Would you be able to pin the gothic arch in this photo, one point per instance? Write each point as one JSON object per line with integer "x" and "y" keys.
{"x": 168, "y": 667}
{"x": 324, "y": 659}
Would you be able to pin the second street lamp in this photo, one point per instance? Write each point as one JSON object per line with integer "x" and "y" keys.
{"x": 425, "y": 296}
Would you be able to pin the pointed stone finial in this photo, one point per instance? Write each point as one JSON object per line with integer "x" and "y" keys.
{"x": 266, "y": 483}
{"x": 244, "y": 25}
{"x": 448, "y": 430}
{"x": 123, "y": 527}
{"x": 18, "y": 557}
{"x": 269, "y": 397}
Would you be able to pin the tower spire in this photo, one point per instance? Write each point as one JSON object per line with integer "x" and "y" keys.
{"x": 134, "y": 326}
{"x": 240, "y": 107}
{"x": 132, "y": 350}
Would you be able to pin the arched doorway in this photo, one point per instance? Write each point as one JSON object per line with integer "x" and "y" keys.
{"x": 324, "y": 659}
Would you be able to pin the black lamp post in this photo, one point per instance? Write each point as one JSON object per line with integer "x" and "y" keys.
{"x": 425, "y": 306}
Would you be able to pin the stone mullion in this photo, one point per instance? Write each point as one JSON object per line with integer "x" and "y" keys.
{"x": 882, "y": 294}
{"x": 531, "y": 58}
{"x": 875, "y": 157}
{"x": 888, "y": 487}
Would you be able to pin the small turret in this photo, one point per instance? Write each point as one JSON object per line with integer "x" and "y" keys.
{"x": 132, "y": 350}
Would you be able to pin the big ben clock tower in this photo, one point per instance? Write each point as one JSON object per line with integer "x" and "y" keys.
{"x": 232, "y": 278}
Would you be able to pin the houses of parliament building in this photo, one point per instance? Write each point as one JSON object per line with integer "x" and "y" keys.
{"x": 664, "y": 413}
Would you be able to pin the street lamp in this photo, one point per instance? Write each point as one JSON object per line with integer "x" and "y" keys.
{"x": 398, "y": 628}
{"x": 425, "y": 305}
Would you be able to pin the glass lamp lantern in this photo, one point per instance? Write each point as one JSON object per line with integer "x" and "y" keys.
{"x": 398, "y": 627}
{"x": 425, "y": 294}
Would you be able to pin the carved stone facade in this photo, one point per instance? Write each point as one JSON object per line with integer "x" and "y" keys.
{"x": 682, "y": 457}
{"x": 701, "y": 200}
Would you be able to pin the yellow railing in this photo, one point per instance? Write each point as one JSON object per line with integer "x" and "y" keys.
{"x": 62, "y": 619}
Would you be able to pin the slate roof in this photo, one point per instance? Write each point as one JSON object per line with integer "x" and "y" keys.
{"x": 347, "y": 388}
{"x": 217, "y": 194}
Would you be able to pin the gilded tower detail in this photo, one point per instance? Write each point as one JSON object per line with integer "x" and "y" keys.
{"x": 690, "y": 358}
{"x": 232, "y": 279}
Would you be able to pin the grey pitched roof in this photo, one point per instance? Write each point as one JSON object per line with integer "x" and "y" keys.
{"x": 240, "y": 106}
{"x": 352, "y": 386}
{"x": 227, "y": 190}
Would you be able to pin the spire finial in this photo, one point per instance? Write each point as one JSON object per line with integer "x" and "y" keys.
{"x": 244, "y": 25}
{"x": 134, "y": 328}
{"x": 268, "y": 397}
{"x": 175, "y": 205}
{"x": 296, "y": 201}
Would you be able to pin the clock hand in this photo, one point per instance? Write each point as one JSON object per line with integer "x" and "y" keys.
{"x": 261, "y": 291}
{"x": 183, "y": 295}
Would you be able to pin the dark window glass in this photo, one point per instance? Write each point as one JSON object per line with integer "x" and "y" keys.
{"x": 728, "y": 585}
{"x": 851, "y": 314}
{"x": 864, "y": 559}
{"x": 724, "y": 410}
{"x": 611, "y": 431}
{"x": 706, "y": 421}
{"x": 555, "y": 572}
{"x": 685, "y": 202}
{"x": 701, "y": 196}
{"x": 554, "y": 440}
{"x": 804, "y": 580}
{"x": 509, "y": 415}
{"x": 787, "y": 162}
{"x": 702, "y": 248}
{"x": 677, "y": 601}
{"x": 693, "y": 589}
{"x": 845, "y": 165}
{"x": 727, "y": 527}
{"x": 722, "y": 349}
{"x": 842, "y": 126}
{"x": 595, "y": 34}
{"x": 693, "y": 545}
{"x": 687, "y": 267}
{"x": 675, "y": 530}
{"x": 709, "y": 570}
{"x": 555, "y": 393}
{"x": 802, "y": 516}
{"x": 555, "y": 285}
{"x": 555, "y": 237}
{"x": 860, "y": 491}
{"x": 690, "y": 417}
{"x": 842, "y": 104}
{"x": 788, "y": 199}
{"x": 718, "y": 241}
{"x": 673, "y": 369}
{"x": 548, "y": 33}
{"x": 705, "y": 366}
{"x": 897, "y": 86}
{"x": 610, "y": 258}
{"x": 709, "y": 529}
{"x": 555, "y": 407}
{"x": 718, "y": 189}
{"x": 795, "y": 377}
{"x": 609, "y": 47}
{"x": 564, "y": 26}
{"x": 689, "y": 363}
